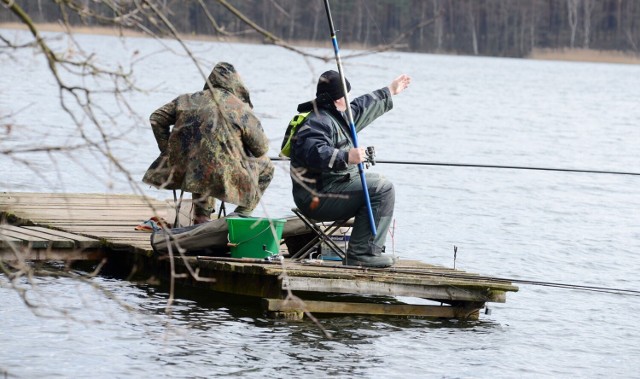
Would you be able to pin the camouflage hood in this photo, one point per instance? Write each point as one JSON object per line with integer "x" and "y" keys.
{"x": 225, "y": 77}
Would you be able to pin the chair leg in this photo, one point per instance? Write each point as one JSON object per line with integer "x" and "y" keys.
{"x": 178, "y": 204}
{"x": 304, "y": 251}
{"x": 320, "y": 237}
{"x": 222, "y": 211}
{"x": 331, "y": 243}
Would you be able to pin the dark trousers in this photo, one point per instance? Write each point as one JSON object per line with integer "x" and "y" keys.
{"x": 342, "y": 200}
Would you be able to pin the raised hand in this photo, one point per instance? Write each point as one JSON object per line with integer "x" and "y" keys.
{"x": 399, "y": 84}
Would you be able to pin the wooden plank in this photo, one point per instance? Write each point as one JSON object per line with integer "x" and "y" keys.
{"x": 84, "y": 214}
{"x": 365, "y": 287}
{"x": 92, "y": 213}
{"x": 106, "y": 232}
{"x": 349, "y": 274}
{"x": 94, "y": 223}
{"x": 134, "y": 243}
{"x": 80, "y": 241}
{"x": 401, "y": 267}
{"x": 160, "y": 207}
{"x": 128, "y": 245}
{"x": 33, "y": 241}
{"x": 51, "y": 255}
{"x": 413, "y": 264}
{"x": 92, "y": 229}
{"x": 55, "y": 241}
{"x": 337, "y": 307}
{"x": 42, "y": 196}
{"x": 8, "y": 242}
{"x": 39, "y": 204}
{"x": 85, "y": 205}
{"x": 343, "y": 280}
{"x": 389, "y": 274}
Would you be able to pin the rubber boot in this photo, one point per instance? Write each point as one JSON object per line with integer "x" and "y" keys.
{"x": 240, "y": 211}
{"x": 371, "y": 259}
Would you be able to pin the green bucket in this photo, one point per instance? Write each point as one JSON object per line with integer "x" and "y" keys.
{"x": 253, "y": 237}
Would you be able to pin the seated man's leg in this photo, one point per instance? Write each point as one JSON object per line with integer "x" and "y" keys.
{"x": 364, "y": 249}
{"x": 265, "y": 169}
{"x": 344, "y": 200}
{"x": 203, "y": 206}
{"x": 383, "y": 199}
{"x": 339, "y": 201}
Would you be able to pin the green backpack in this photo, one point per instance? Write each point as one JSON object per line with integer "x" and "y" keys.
{"x": 296, "y": 121}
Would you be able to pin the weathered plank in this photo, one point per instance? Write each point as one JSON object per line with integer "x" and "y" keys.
{"x": 9, "y": 242}
{"x": 351, "y": 308}
{"x": 36, "y": 243}
{"x": 58, "y": 239}
{"x": 83, "y": 215}
{"x": 79, "y": 240}
{"x": 432, "y": 275}
{"x": 82, "y": 206}
{"x": 26, "y": 197}
{"x": 435, "y": 290}
{"x": 119, "y": 228}
{"x": 24, "y": 238}
{"x": 24, "y": 253}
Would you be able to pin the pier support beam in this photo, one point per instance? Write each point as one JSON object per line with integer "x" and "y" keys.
{"x": 290, "y": 309}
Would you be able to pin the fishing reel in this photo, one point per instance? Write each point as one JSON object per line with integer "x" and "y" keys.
{"x": 371, "y": 157}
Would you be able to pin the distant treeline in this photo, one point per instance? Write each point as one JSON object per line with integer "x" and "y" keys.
{"x": 477, "y": 27}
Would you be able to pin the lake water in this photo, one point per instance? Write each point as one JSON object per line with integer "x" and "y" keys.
{"x": 530, "y": 225}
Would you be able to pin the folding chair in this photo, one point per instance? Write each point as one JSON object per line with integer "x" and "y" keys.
{"x": 321, "y": 235}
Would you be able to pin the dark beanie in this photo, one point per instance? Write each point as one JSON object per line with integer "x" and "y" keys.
{"x": 330, "y": 84}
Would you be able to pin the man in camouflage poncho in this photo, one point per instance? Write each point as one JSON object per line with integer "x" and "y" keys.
{"x": 217, "y": 146}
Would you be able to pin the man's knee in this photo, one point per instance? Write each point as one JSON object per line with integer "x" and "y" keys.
{"x": 203, "y": 204}
{"x": 384, "y": 188}
{"x": 266, "y": 168}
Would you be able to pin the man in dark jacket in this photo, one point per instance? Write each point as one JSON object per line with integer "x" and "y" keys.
{"x": 324, "y": 171}
{"x": 217, "y": 147}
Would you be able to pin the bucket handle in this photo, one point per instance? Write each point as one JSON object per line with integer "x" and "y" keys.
{"x": 231, "y": 244}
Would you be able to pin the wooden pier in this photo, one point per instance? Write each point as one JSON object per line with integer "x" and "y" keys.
{"x": 93, "y": 227}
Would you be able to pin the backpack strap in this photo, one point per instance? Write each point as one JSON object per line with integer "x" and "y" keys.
{"x": 296, "y": 121}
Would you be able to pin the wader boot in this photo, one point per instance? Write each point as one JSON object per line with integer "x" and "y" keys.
{"x": 375, "y": 258}
{"x": 203, "y": 207}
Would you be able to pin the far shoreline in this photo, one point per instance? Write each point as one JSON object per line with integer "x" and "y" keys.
{"x": 565, "y": 54}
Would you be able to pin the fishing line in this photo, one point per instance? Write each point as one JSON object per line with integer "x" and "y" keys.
{"x": 473, "y": 165}
{"x": 588, "y": 171}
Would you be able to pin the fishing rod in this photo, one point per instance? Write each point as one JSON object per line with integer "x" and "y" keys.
{"x": 447, "y": 164}
{"x": 352, "y": 125}
{"x": 508, "y": 167}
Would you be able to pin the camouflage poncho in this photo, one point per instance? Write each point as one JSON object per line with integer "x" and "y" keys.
{"x": 217, "y": 146}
